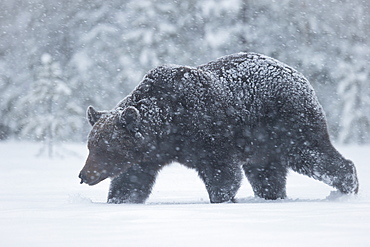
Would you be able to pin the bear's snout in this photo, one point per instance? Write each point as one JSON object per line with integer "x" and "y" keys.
{"x": 92, "y": 177}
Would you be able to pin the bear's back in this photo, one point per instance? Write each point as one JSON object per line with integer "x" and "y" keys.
{"x": 261, "y": 86}
{"x": 252, "y": 75}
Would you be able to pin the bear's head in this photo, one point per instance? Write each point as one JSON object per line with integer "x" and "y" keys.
{"x": 113, "y": 143}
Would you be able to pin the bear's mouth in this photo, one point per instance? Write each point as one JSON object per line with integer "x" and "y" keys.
{"x": 92, "y": 178}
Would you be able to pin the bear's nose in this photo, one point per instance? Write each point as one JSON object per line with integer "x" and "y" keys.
{"x": 83, "y": 178}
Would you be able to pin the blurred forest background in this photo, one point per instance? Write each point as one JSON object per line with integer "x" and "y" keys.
{"x": 58, "y": 57}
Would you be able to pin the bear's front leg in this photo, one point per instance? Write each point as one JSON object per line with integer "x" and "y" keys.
{"x": 134, "y": 185}
{"x": 222, "y": 182}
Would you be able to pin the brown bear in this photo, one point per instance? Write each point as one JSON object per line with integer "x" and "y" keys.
{"x": 240, "y": 112}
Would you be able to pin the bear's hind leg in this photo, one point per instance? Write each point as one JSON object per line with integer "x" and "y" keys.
{"x": 268, "y": 182}
{"x": 326, "y": 164}
{"x": 134, "y": 185}
{"x": 222, "y": 182}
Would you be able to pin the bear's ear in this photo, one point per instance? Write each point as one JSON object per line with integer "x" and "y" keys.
{"x": 93, "y": 115}
{"x": 130, "y": 119}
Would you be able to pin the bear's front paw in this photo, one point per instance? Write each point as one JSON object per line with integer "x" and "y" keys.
{"x": 220, "y": 197}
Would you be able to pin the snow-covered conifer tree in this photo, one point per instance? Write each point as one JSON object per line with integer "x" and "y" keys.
{"x": 51, "y": 116}
{"x": 6, "y": 101}
{"x": 354, "y": 91}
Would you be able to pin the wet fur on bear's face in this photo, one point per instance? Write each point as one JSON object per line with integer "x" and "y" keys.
{"x": 110, "y": 143}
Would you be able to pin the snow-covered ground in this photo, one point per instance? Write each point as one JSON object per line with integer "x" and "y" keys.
{"x": 43, "y": 204}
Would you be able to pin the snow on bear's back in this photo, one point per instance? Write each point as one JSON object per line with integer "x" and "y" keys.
{"x": 256, "y": 81}
{"x": 256, "y": 70}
